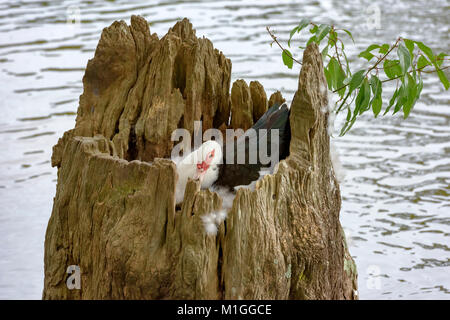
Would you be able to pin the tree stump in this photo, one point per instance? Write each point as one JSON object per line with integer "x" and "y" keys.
{"x": 114, "y": 212}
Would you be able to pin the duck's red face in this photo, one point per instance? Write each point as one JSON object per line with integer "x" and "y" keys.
{"x": 203, "y": 166}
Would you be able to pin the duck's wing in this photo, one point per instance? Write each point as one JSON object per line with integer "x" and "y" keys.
{"x": 234, "y": 174}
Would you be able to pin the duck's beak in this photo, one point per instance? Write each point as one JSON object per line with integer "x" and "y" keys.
{"x": 203, "y": 166}
{"x": 201, "y": 170}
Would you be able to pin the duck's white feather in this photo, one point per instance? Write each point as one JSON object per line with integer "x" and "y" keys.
{"x": 187, "y": 167}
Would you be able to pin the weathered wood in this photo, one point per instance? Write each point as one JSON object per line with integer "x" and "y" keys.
{"x": 136, "y": 80}
{"x": 259, "y": 100}
{"x": 276, "y": 98}
{"x": 115, "y": 217}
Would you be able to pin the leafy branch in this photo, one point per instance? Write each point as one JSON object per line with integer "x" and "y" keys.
{"x": 286, "y": 55}
{"x": 364, "y": 87}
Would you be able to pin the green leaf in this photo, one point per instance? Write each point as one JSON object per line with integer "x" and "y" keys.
{"x": 391, "y": 101}
{"x": 322, "y": 31}
{"x": 359, "y": 100}
{"x": 376, "y": 86}
{"x": 346, "y": 63}
{"x": 384, "y": 48}
{"x": 328, "y": 77}
{"x": 422, "y": 62}
{"x": 352, "y": 122}
{"x": 349, "y": 123}
{"x": 428, "y": 52}
{"x": 392, "y": 68}
{"x": 287, "y": 58}
{"x": 332, "y": 38}
{"x": 363, "y": 98}
{"x": 410, "y": 45}
{"x": 293, "y": 31}
{"x": 349, "y": 34}
{"x": 376, "y": 102}
{"x": 349, "y": 115}
{"x": 401, "y": 99}
{"x": 311, "y": 40}
{"x": 372, "y": 47}
{"x": 313, "y": 30}
{"x": 341, "y": 87}
{"x": 324, "y": 52}
{"x": 303, "y": 23}
{"x": 333, "y": 71}
{"x": 419, "y": 89}
{"x": 356, "y": 80}
{"x": 366, "y": 55}
{"x": 405, "y": 58}
{"x": 376, "y": 105}
{"x": 337, "y": 76}
{"x": 440, "y": 58}
{"x": 410, "y": 96}
{"x": 443, "y": 79}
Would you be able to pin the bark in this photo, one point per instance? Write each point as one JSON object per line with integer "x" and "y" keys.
{"x": 259, "y": 100}
{"x": 276, "y": 98}
{"x": 241, "y": 106}
{"x": 114, "y": 212}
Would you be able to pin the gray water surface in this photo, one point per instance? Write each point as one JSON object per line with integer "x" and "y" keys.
{"x": 396, "y": 205}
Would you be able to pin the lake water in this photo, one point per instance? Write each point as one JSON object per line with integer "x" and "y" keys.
{"x": 396, "y": 204}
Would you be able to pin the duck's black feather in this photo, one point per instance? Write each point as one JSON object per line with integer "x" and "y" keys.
{"x": 233, "y": 174}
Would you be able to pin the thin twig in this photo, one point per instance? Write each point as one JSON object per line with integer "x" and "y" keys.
{"x": 420, "y": 70}
{"x": 395, "y": 78}
{"x": 336, "y": 48}
{"x": 383, "y": 57}
{"x": 281, "y": 47}
{"x": 375, "y": 65}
